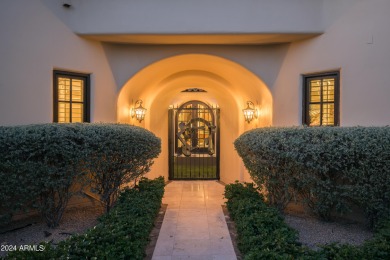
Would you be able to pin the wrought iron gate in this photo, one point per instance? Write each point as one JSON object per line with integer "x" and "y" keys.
{"x": 193, "y": 141}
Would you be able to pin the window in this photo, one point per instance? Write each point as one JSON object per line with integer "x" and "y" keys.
{"x": 321, "y": 99}
{"x": 71, "y": 97}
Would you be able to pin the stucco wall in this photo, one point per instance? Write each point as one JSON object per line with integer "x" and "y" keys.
{"x": 33, "y": 43}
{"x": 356, "y": 41}
{"x": 193, "y": 16}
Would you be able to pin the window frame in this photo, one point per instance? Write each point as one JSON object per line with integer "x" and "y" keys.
{"x": 86, "y": 93}
{"x": 306, "y": 78}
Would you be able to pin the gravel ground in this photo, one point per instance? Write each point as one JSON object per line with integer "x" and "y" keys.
{"x": 313, "y": 232}
{"x": 75, "y": 220}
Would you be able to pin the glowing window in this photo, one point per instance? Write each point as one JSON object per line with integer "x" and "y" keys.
{"x": 321, "y": 99}
{"x": 71, "y": 97}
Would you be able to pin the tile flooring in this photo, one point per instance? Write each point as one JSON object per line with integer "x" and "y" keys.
{"x": 194, "y": 225}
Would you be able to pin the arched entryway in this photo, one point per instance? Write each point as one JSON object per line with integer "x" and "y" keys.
{"x": 226, "y": 84}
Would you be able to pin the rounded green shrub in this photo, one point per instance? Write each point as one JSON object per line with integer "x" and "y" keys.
{"x": 38, "y": 166}
{"x": 42, "y": 166}
{"x": 116, "y": 154}
{"x": 328, "y": 168}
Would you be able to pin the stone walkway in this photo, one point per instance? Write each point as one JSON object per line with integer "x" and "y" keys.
{"x": 194, "y": 225}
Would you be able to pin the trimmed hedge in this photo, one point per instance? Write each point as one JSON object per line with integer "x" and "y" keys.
{"x": 123, "y": 233}
{"x": 40, "y": 165}
{"x": 263, "y": 234}
{"x": 115, "y": 155}
{"x": 328, "y": 168}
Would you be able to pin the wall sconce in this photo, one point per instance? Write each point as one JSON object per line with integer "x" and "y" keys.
{"x": 138, "y": 112}
{"x": 250, "y": 112}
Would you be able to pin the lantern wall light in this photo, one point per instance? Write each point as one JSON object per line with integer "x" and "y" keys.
{"x": 250, "y": 112}
{"x": 138, "y": 111}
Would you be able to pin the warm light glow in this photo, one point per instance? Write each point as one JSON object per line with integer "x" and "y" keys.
{"x": 228, "y": 84}
{"x": 70, "y": 100}
{"x": 321, "y": 107}
{"x": 250, "y": 112}
{"x": 138, "y": 112}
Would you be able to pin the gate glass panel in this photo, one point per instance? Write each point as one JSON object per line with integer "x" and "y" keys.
{"x": 194, "y": 141}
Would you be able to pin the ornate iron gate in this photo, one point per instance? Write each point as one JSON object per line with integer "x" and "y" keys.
{"x": 193, "y": 141}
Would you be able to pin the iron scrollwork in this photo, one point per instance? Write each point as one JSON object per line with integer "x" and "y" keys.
{"x": 187, "y": 133}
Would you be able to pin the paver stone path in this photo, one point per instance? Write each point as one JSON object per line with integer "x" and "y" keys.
{"x": 194, "y": 225}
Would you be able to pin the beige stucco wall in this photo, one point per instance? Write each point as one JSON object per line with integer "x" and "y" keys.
{"x": 190, "y": 17}
{"x": 356, "y": 42}
{"x": 33, "y": 43}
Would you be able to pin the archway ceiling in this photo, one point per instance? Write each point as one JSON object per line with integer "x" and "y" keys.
{"x": 172, "y": 86}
